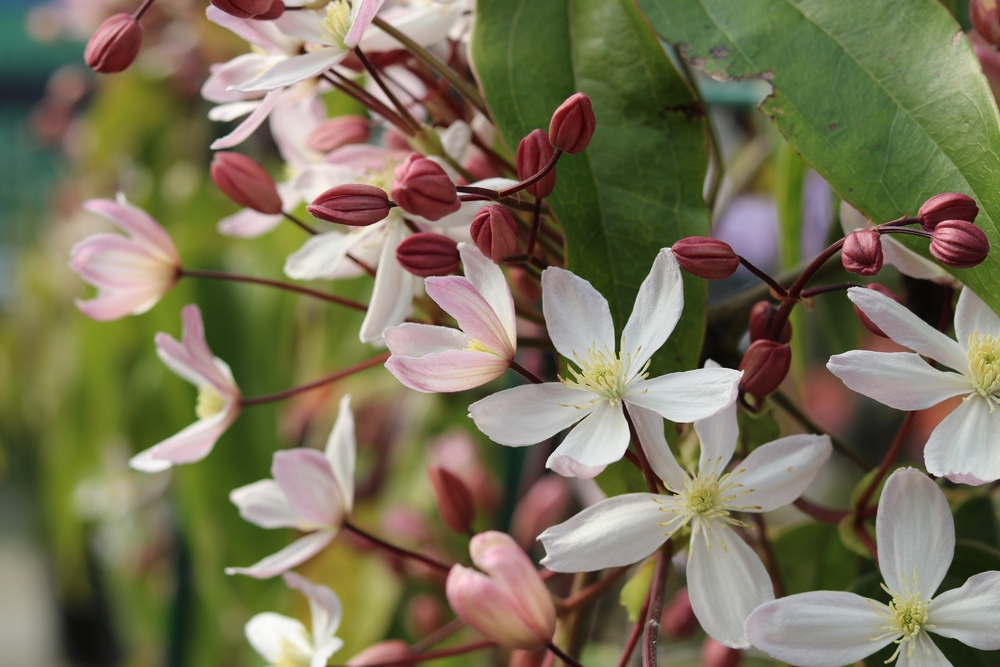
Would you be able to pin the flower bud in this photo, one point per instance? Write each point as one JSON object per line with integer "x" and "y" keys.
{"x": 243, "y": 9}
{"x": 382, "y": 653}
{"x": 959, "y": 244}
{"x": 543, "y": 506}
{"x": 353, "y": 204}
{"x": 423, "y": 188}
{"x": 764, "y": 366}
{"x": 533, "y": 153}
{"x": 985, "y": 15}
{"x": 573, "y": 124}
{"x": 275, "y": 12}
{"x": 454, "y": 500}
{"x": 761, "y": 316}
{"x": 706, "y": 257}
{"x": 114, "y": 45}
{"x": 428, "y": 254}
{"x": 509, "y": 604}
{"x": 246, "y": 182}
{"x": 495, "y": 232}
{"x": 534, "y": 658}
{"x": 867, "y": 323}
{"x": 678, "y": 620}
{"x": 338, "y": 132}
{"x": 862, "y": 252}
{"x": 714, "y": 654}
{"x": 947, "y": 206}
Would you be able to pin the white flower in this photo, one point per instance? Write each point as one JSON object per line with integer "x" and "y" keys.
{"x": 579, "y": 323}
{"x": 285, "y": 642}
{"x": 965, "y": 447}
{"x": 726, "y": 580}
{"x": 916, "y": 543}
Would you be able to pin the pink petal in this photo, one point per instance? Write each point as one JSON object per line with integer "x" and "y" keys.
{"x": 366, "y": 10}
{"x": 191, "y": 358}
{"x": 460, "y": 299}
{"x": 295, "y": 69}
{"x": 252, "y": 122}
{"x": 264, "y": 504}
{"x": 248, "y": 224}
{"x": 294, "y": 554}
{"x": 324, "y": 606}
{"x": 416, "y": 340}
{"x": 443, "y": 372}
{"x": 114, "y": 305}
{"x": 136, "y": 222}
{"x": 233, "y": 73}
{"x": 189, "y": 445}
{"x": 491, "y": 283}
{"x": 341, "y": 451}
{"x": 113, "y": 261}
{"x": 305, "y": 477}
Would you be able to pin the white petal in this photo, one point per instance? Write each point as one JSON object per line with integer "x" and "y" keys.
{"x": 973, "y": 315}
{"x": 600, "y": 439}
{"x": 489, "y": 280}
{"x": 530, "y": 413}
{"x": 427, "y": 25}
{"x": 970, "y": 614}
{"x": 251, "y": 123}
{"x": 392, "y": 294}
{"x": 320, "y": 256}
{"x": 923, "y": 653}
{"x": 819, "y": 629}
{"x": 689, "y": 396}
{"x": 264, "y": 503}
{"x": 658, "y": 306}
{"x": 187, "y": 446}
{"x": 577, "y": 316}
{"x": 915, "y": 532}
{"x": 293, "y": 70}
{"x": 614, "y": 532}
{"x": 248, "y": 223}
{"x": 717, "y": 435}
{"x": 294, "y": 554}
{"x": 904, "y": 327}
{"x": 649, "y": 428}
{"x": 777, "y": 473}
{"x": 268, "y": 633}
{"x": 233, "y": 110}
{"x": 965, "y": 446}
{"x": 341, "y": 449}
{"x": 324, "y": 606}
{"x": 901, "y": 380}
{"x": 324, "y": 650}
{"x": 309, "y": 484}
{"x": 911, "y": 264}
{"x": 411, "y": 339}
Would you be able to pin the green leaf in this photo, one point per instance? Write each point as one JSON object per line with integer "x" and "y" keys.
{"x": 811, "y": 557}
{"x": 634, "y": 591}
{"x": 638, "y": 186}
{"x": 885, "y": 99}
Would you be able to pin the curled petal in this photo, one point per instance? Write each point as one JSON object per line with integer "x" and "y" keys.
{"x": 341, "y": 451}
{"x": 460, "y": 299}
{"x": 189, "y": 445}
{"x": 264, "y": 503}
{"x": 294, "y": 554}
{"x": 324, "y": 606}
{"x": 306, "y": 479}
{"x": 251, "y": 123}
{"x": 446, "y": 372}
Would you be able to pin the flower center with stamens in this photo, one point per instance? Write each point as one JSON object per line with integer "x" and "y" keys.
{"x": 292, "y": 655}
{"x": 210, "y": 402}
{"x": 337, "y": 22}
{"x": 602, "y": 372}
{"x": 476, "y": 346}
{"x": 907, "y": 616}
{"x": 984, "y": 366}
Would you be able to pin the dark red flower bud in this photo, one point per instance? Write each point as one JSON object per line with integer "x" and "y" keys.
{"x": 533, "y": 153}
{"x": 338, "y": 132}
{"x": 678, "y": 620}
{"x": 454, "y": 500}
{"x": 428, "y": 254}
{"x": 985, "y": 15}
{"x": 714, "y": 654}
{"x": 867, "y": 323}
{"x": 243, "y": 9}
{"x": 573, "y": 124}
{"x": 761, "y": 317}
{"x": 947, "y": 206}
{"x": 423, "y": 188}
{"x": 275, "y": 12}
{"x": 764, "y": 366}
{"x": 114, "y": 45}
{"x": 353, "y": 204}
{"x": 495, "y": 232}
{"x": 706, "y": 257}
{"x": 959, "y": 244}
{"x": 862, "y": 252}
{"x": 246, "y": 182}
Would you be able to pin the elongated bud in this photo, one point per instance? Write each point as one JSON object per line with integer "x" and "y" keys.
{"x": 867, "y": 323}
{"x": 423, "y": 188}
{"x": 382, "y": 653}
{"x": 714, "y": 654}
{"x": 338, "y": 132}
{"x": 454, "y": 500}
{"x": 533, "y": 153}
{"x": 353, "y": 204}
{"x": 959, "y": 244}
{"x": 543, "y": 506}
{"x": 495, "y": 232}
{"x": 243, "y": 9}
{"x": 761, "y": 316}
{"x": 275, "y": 12}
{"x": 573, "y": 124}
{"x": 862, "y": 252}
{"x": 428, "y": 254}
{"x": 246, "y": 182}
{"x": 985, "y": 15}
{"x": 947, "y": 206}
{"x": 764, "y": 366}
{"x": 114, "y": 45}
{"x": 678, "y": 620}
{"x": 706, "y": 257}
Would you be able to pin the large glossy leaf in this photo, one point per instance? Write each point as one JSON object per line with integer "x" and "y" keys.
{"x": 885, "y": 99}
{"x": 638, "y": 187}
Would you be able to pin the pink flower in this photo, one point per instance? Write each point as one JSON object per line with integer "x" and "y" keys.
{"x": 130, "y": 274}
{"x": 218, "y": 397}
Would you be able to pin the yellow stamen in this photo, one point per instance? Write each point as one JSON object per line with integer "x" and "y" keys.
{"x": 476, "y": 346}
{"x": 984, "y": 367}
{"x": 603, "y": 373}
{"x": 292, "y": 655}
{"x": 210, "y": 402}
{"x": 907, "y": 616}
{"x": 337, "y": 22}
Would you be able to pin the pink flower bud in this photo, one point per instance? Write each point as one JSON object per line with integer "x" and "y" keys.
{"x": 534, "y": 658}
{"x": 543, "y": 506}
{"x": 714, "y": 654}
{"x": 382, "y": 653}
{"x": 454, "y": 500}
{"x": 947, "y": 206}
{"x": 985, "y": 15}
{"x": 959, "y": 244}
{"x": 423, "y": 188}
{"x": 764, "y": 366}
{"x": 509, "y": 603}
{"x": 862, "y": 252}
{"x": 338, "y": 132}
{"x": 761, "y": 316}
{"x": 275, "y": 12}
{"x": 573, "y": 124}
{"x": 114, "y": 45}
{"x": 246, "y": 182}
{"x": 495, "y": 232}
{"x": 706, "y": 257}
{"x": 533, "y": 153}
{"x": 428, "y": 254}
{"x": 243, "y": 9}
{"x": 353, "y": 204}
{"x": 678, "y": 620}
{"x": 867, "y": 323}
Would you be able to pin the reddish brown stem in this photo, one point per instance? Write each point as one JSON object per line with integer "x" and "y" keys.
{"x": 398, "y": 551}
{"x": 562, "y": 655}
{"x": 221, "y": 275}
{"x": 143, "y": 8}
{"x": 890, "y": 456}
{"x": 763, "y": 275}
{"x": 823, "y": 514}
{"x": 525, "y": 373}
{"x": 404, "y": 113}
{"x": 647, "y": 470}
{"x": 593, "y": 591}
{"x": 633, "y": 636}
{"x": 652, "y": 628}
{"x": 288, "y": 393}
{"x": 295, "y": 221}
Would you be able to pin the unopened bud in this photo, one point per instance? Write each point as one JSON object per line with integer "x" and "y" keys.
{"x": 423, "y": 188}
{"x": 338, "y": 132}
{"x": 114, "y": 45}
{"x": 534, "y": 658}
{"x": 947, "y": 206}
{"x": 243, "y": 9}
{"x": 382, "y": 653}
{"x": 454, "y": 500}
{"x": 985, "y": 15}
{"x": 246, "y": 182}
{"x": 353, "y": 204}
{"x": 761, "y": 317}
{"x": 862, "y": 252}
{"x": 573, "y": 124}
{"x": 495, "y": 232}
{"x": 275, "y": 12}
{"x": 428, "y": 254}
{"x": 714, "y": 654}
{"x": 533, "y": 153}
{"x": 543, "y": 506}
{"x": 764, "y": 366}
{"x": 678, "y": 620}
{"x": 959, "y": 244}
{"x": 706, "y": 257}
